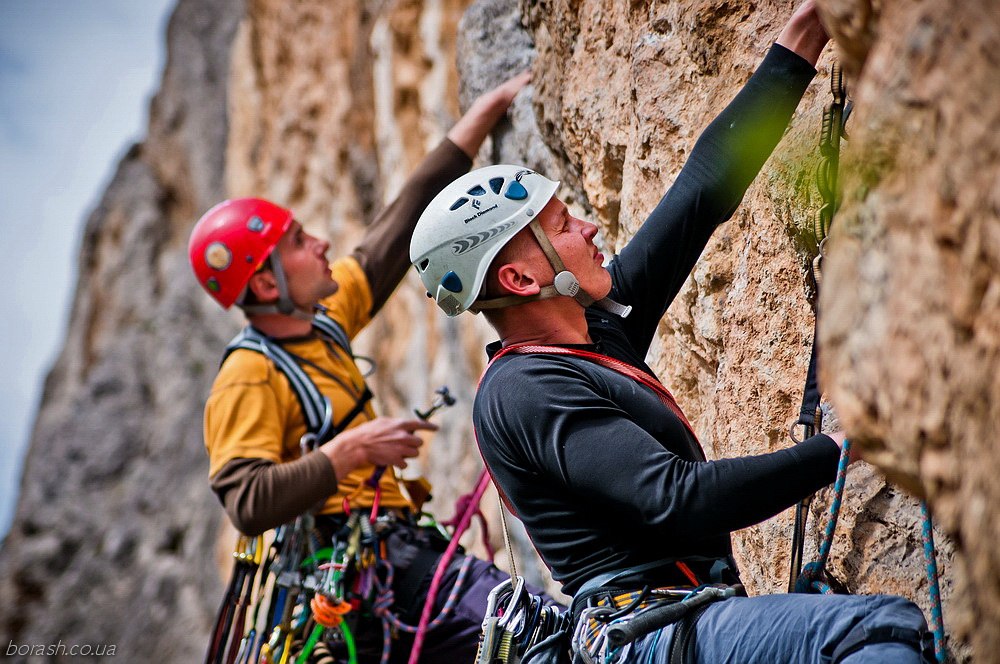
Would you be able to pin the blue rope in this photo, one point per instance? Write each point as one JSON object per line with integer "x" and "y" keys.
{"x": 809, "y": 580}
{"x": 937, "y": 620}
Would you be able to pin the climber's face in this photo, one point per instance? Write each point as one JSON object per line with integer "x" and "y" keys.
{"x": 303, "y": 257}
{"x": 573, "y": 240}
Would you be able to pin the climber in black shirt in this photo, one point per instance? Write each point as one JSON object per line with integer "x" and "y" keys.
{"x": 585, "y": 444}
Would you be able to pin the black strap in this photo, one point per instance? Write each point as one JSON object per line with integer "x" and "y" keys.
{"x": 682, "y": 648}
{"x": 811, "y": 394}
{"x": 363, "y": 400}
{"x": 409, "y": 582}
{"x": 808, "y": 419}
{"x": 316, "y": 408}
{"x": 602, "y": 582}
{"x": 921, "y": 641}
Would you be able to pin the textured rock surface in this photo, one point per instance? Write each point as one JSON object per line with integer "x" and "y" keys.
{"x": 324, "y": 106}
{"x": 327, "y": 106}
{"x": 913, "y": 331}
{"x": 620, "y": 95}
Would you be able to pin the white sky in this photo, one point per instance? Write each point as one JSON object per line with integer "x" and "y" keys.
{"x": 76, "y": 77}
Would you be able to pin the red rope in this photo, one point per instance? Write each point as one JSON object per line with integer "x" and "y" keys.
{"x": 462, "y": 505}
{"x": 449, "y": 553}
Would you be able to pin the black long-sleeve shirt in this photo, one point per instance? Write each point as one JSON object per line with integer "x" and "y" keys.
{"x": 602, "y": 474}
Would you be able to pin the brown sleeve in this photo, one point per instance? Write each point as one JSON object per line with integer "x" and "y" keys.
{"x": 384, "y": 250}
{"x": 259, "y": 494}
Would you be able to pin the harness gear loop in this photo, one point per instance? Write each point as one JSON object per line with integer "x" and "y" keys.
{"x": 658, "y": 617}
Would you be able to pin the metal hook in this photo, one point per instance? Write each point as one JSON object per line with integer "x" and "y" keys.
{"x": 444, "y": 398}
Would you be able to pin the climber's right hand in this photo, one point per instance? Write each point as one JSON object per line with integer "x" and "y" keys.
{"x": 384, "y": 441}
{"x": 839, "y": 437}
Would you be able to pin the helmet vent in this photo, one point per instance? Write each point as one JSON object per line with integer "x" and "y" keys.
{"x": 459, "y": 203}
{"x": 496, "y": 184}
{"x": 423, "y": 264}
{"x": 477, "y": 191}
{"x": 516, "y": 191}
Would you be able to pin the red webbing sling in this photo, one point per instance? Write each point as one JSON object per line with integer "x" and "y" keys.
{"x": 615, "y": 365}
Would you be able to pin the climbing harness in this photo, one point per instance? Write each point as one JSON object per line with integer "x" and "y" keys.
{"x": 316, "y": 408}
{"x": 606, "y": 629}
{"x": 810, "y": 577}
{"x": 609, "y": 617}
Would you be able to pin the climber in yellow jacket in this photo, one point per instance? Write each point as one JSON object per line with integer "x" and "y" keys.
{"x": 255, "y": 254}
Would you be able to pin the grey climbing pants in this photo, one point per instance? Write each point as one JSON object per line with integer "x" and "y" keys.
{"x": 795, "y": 629}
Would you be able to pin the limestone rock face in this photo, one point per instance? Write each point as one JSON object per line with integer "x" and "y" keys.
{"x": 327, "y": 107}
{"x": 912, "y": 327}
{"x": 620, "y": 94}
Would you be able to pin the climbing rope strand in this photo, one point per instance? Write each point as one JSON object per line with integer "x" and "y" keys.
{"x": 930, "y": 560}
{"x": 463, "y": 524}
{"x": 506, "y": 539}
{"x": 809, "y": 580}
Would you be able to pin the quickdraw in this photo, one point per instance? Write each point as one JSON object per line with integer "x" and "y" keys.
{"x": 517, "y": 621}
{"x": 810, "y": 415}
{"x": 809, "y": 578}
{"x": 247, "y": 557}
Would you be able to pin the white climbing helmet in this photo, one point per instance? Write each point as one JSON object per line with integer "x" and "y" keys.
{"x": 466, "y": 225}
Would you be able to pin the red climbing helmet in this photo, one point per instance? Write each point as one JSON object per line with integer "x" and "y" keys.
{"x": 231, "y": 241}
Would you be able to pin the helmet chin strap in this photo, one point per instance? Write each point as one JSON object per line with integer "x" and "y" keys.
{"x": 284, "y": 305}
{"x": 565, "y": 284}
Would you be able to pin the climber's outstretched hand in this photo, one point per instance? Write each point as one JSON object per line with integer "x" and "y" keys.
{"x": 473, "y": 128}
{"x": 804, "y": 33}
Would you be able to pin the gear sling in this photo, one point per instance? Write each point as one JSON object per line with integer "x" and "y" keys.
{"x": 227, "y": 635}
